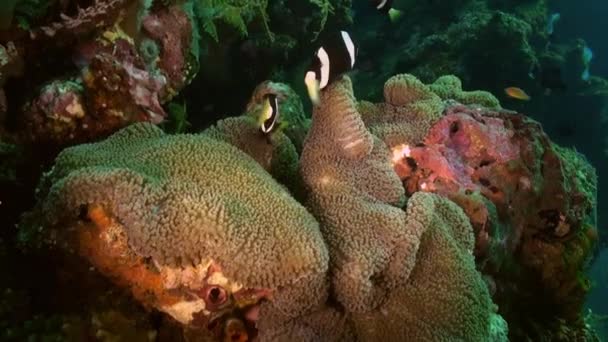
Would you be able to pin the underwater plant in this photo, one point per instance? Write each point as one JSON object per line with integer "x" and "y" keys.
{"x": 235, "y": 13}
{"x": 238, "y": 14}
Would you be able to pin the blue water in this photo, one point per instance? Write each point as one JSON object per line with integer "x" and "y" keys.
{"x": 586, "y": 19}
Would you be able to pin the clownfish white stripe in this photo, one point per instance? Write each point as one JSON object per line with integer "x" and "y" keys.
{"x": 382, "y": 4}
{"x": 324, "y": 59}
{"x": 271, "y": 115}
{"x": 350, "y": 46}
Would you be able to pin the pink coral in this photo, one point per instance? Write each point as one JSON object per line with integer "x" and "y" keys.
{"x": 461, "y": 143}
{"x": 460, "y": 130}
{"x": 530, "y": 202}
{"x": 57, "y": 113}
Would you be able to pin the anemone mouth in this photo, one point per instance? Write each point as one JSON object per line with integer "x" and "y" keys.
{"x": 236, "y": 324}
{"x": 235, "y": 319}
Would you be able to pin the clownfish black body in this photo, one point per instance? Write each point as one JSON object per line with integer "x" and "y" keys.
{"x": 335, "y": 57}
{"x": 270, "y": 114}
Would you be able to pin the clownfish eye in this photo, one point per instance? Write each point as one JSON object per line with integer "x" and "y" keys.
{"x": 214, "y": 296}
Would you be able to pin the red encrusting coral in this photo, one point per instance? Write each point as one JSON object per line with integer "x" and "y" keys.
{"x": 530, "y": 201}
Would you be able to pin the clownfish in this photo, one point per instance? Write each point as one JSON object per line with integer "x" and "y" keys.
{"x": 270, "y": 114}
{"x": 335, "y": 57}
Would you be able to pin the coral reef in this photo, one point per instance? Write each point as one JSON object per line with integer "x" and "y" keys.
{"x": 468, "y": 38}
{"x": 434, "y": 215}
{"x": 111, "y": 79}
{"x": 171, "y": 28}
{"x": 411, "y": 107}
{"x": 495, "y": 163}
{"x": 158, "y": 51}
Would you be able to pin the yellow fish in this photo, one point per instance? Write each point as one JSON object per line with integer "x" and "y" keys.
{"x": 517, "y": 93}
{"x": 268, "y": 120}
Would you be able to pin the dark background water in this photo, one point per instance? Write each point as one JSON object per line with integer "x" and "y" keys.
{"x": 587, "y": 19}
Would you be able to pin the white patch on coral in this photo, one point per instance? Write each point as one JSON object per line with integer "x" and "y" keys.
{"x": 195, "y": 277}
{"x": 400, "y": 152}
{"x": 190, "y": 276}
{"x": 218, "y": 278}
{"x": 75, "y": 108}
{"x": 183, "y": 311}
{"x": 353, "y": 144}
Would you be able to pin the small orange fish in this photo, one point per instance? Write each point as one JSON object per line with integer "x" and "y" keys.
{"x": 517, "y": 93}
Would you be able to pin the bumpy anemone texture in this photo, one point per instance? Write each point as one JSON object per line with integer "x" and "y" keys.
{"x": 355, "y": 194}
{"x": 411, "y": 108}
{"x": 275, "y": 153}
{"x": 445, "y": 298}
{"x": 388, "y": 264}
{"x": 183, "y": 199}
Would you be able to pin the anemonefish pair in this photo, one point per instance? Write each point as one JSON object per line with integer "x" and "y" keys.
{"x": 335, "y": 57}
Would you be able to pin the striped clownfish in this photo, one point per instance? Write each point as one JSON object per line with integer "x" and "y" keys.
{"x": 335, "y": 57}
{"x": 270, "y": 114}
